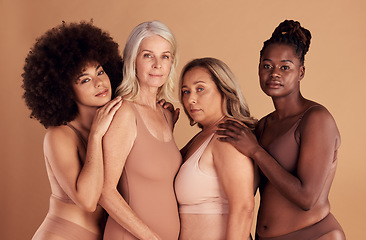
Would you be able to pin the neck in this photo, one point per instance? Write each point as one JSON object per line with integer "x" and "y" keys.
{"x": 287, "y": 107}
{"x": 210, "y": 125}
{"x": 147, "y": 98}
{"x": 84, "y": 119}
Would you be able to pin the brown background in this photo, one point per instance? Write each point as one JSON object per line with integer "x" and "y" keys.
{"x": 230, "y": 30}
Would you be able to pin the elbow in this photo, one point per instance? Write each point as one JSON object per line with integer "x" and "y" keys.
{"x": 307, "y": 206}
{"x": 245, "y": 210}
{"x": 308, "y": 203}
{"x": 88, "y": 203}
{"x": 89, "y": 206}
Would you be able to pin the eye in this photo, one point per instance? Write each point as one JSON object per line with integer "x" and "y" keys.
{"x": 85, "y": 80}
{"x": 166, "y": 57}
{"x": 101, "y": 72}
{"x": 285, "y": 67}
{"x": 147, "y": 55}
{"x": 185, "y": 91}
{"x": 200, "y": 89}
{"x": 266, "y": 66}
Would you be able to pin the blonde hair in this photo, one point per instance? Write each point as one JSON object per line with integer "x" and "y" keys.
{"x": 233, "y": 104}
{"x": 129, "y": 88}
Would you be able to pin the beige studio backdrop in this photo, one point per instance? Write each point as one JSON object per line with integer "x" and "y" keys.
{"x": 232, "y": 31}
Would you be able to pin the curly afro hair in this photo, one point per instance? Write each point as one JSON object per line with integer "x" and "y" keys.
{"x": 55, "y": 60}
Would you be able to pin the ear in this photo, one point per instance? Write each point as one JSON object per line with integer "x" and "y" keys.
{"x": 302, "y": 72}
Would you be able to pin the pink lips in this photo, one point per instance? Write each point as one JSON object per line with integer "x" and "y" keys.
{"x": 194, "y": 110}
{"x": 155, "y": 75}
{"x": 102, "y": 93}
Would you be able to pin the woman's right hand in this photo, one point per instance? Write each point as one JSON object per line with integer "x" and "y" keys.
{"x": 170, "y": 107}
{"x": 104, "y": 116}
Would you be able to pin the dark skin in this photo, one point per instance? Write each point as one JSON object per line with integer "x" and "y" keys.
{"x": 291, "y": 198}
{"x": 170, "y": 107}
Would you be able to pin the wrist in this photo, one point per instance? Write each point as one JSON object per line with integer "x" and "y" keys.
{"x": 256, "y": 152}
{"x": 95, "y": 136}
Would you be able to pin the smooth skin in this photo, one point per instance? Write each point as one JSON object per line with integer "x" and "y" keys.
{"x": 79, "y": 171}
{"x": 203, "y": 102}
{"x": 292, "y": 198}
{"x": 153, "y": 66}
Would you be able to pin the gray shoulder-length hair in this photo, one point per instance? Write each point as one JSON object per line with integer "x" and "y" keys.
{"x": 129, "y": 88}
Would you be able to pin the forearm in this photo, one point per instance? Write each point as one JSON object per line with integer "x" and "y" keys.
{"x": 239, "y": 224}
{"x": 121, "y": 212}
{"x": 90, "y": 181}
{"x": 286, "y": 183}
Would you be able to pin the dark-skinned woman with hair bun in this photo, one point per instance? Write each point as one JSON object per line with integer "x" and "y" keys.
{"x": 295, "y": 146}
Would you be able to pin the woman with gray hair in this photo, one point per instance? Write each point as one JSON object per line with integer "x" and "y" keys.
{"x": 141, "y": 157}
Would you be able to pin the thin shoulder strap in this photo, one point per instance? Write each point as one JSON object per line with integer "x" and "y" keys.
{"x": 203, "y": 147}
{"x": 263, "y": 128}
{"x": 303, "y": 114}
{"x": 78, "y": 134}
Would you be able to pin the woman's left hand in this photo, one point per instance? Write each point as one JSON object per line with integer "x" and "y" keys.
{"x": 238, "y": 135}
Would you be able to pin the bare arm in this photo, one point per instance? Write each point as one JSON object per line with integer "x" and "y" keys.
{"x": 236, "y": 173}
{"x": 117, "y": 145}
{"x": 82, "y": 183}
{"x": 319, "y": 138}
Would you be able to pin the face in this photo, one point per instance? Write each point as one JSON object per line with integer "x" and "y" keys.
{"x": 92, "y": 87}
{"x": 153, "y": 62}
{"x": 201, "y": 98}
{"x": 280, "y": 71}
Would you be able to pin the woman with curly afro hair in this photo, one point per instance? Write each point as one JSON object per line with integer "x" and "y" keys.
{"x": 295, "y": 146}
{"x": 69, "y": 78}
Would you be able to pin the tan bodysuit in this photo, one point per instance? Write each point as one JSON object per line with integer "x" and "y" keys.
{"x": 55, "y": 227}
{"x": 285, "y": 150}
{"x": 147, "y": 185}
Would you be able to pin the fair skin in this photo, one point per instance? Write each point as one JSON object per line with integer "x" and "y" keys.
{"x": 203, "y": 101}
{"x": 153, "y": 64}
{"x": 296, "y": 198}
{"x": 64, "y": 151}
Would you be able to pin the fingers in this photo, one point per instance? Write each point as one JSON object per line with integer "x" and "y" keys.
{"x": 233, "y": 126}
{"x": 162, "y": 102}
{"x": 232, "y": 123}
{"x": 226, "y": 133}
{"x": 166, "y": 105}
{"x": 114, "y": 104}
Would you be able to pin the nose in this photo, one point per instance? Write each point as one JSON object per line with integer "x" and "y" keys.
{"x": 157, "y": 63}
{"x": 275, "y": 73}
{"x": 192, "y": 98}
{"x": 98, "y": 82}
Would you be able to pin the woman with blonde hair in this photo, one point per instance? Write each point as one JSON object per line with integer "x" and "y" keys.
{"x": 141, "y": 157}
{"x": 215, "y": 186}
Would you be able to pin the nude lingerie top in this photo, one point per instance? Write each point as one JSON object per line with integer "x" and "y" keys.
{"x": 198, "y": 192}
{"x": 286, "y": 148}
{"x": 53, "y": 181}
{"x": 147, "y": 184}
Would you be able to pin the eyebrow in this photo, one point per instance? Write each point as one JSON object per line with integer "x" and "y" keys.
{"x": 196, "y": 82}
{"x": 267, "y": 59}
{"x": 145, "y": 50}
{"x": 83, "y": 74}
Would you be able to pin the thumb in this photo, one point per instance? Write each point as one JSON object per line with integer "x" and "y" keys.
{"x": 176, "y": 115}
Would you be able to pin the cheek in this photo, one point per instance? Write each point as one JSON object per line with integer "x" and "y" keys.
{"x": 168, "y": 66}
{"x": 185, "y": 101}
